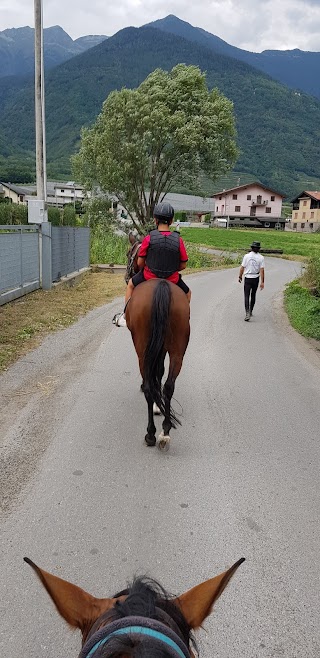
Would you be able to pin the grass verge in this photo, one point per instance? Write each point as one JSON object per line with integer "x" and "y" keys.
{"x": 293, "y": 244}
{"x": 303, "y": 310}
{"x": 24, "y": 322}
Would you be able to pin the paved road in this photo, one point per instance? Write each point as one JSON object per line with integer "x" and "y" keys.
{"x": 86, "y": 499}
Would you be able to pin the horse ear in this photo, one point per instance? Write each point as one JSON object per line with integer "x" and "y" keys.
{"x": 78, "y": 608}
{"x": 197, "y": 603}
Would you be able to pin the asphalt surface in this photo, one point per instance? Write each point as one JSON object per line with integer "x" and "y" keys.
{"x": 85, "y": 498}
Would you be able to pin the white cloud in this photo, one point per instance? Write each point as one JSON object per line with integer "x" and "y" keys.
{"x": 250, "y": 24}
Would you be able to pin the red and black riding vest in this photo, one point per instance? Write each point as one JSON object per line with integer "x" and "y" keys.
{"x": 163, "y": 255}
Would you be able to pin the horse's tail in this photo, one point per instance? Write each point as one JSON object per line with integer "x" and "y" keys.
{"x": 155, "y": 353}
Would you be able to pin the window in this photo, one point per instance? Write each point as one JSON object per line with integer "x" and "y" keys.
{"x": 296, "y": 215}
{"x": 295, "y": 226}
{"x": 220, "y": 197}
{"x": 234, "y": 196}
{"x": 237, "y": 208}
{"x": 302, "y": 225}
{"x": 268, "y": 210}
{"x": 62, "y": 191}
{"x": 312, "y": 215}
{"x": 303, "y": 215}
{"x": 273, "y": 198}
{"x": 248, "y": 197}
{"x": 21, "y": 198}
{"x": 305, "y": 202}
{"x": 311, "y": 225}
{"x": 217, "y": 208}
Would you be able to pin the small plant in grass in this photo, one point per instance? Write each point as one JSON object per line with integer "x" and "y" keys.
{"x": 311, "y": 277}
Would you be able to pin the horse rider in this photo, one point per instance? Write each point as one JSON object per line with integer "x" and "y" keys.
{"x": 162, "y": 255}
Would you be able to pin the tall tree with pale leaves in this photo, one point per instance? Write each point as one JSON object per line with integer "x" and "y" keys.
{"x": 166, "y": 133}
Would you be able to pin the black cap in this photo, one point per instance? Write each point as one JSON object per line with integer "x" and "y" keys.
{"x": 163, "y": 211}
{"x": 256, "y": 245}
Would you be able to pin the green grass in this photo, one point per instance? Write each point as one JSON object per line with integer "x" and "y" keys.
{"x": 108, "y": 248}
{"x": 293, "y": 244}
{"x": 303, "y": 310}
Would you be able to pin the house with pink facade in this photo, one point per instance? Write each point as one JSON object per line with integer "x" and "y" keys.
{"x": 251, "y": 205}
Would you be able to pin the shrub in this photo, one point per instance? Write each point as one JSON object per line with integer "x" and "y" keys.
{"x": 311, "y": 277}
{"x": 12, "y": 213}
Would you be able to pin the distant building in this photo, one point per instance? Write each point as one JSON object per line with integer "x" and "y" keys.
{"x": 65, "y": 193}
{"x": 14, "y": 193}
{"x": 306, "y": 212}
{"x": 251, "y": 205}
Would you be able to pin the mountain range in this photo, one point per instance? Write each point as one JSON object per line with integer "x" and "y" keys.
{"x": 296, "y": 68}
{"x": 278, "y": 128}
{"x": 17, "y": 48}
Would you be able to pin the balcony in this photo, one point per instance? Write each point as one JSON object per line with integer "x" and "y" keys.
{"x": 259, "y": 202}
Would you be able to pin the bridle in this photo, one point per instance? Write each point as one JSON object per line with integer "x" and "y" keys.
{"x": 149, "y": 629}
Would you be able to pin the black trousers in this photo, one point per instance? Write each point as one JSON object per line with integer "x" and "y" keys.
{"x": 250, "y": 290}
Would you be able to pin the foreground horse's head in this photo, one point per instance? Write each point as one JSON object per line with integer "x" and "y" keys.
{"x": 141, "y": 621}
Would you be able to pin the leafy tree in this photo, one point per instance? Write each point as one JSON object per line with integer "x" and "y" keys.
{"x": 167, "y": 131}
{"x": 98, "y": 212}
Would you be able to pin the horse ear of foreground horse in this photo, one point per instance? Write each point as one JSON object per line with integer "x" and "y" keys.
{"x": 96, "y": 618}
{"x": 158, "y": 317}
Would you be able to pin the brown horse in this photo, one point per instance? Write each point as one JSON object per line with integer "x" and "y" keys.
{"x": 158, "y": 316}
{"x": 141, "y": 620}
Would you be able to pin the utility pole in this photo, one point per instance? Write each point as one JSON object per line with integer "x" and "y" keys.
{"x": 40, "y": 106}
{"x": 41, "y": 162}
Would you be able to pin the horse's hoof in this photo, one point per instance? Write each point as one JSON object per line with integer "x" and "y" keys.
{"x": 164, "y": 442}
{"x": 156, "y": 409}
{"x": 150, "y": 440}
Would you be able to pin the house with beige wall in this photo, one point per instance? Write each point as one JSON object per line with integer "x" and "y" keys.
{"x": 251, "y": 205}
{"x": 14, "y": 193}
{"x": 306, "y": 212}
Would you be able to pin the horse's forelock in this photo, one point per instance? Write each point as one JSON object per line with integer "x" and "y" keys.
{"x": 145, "y": 598}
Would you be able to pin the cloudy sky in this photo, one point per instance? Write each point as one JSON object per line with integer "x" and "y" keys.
{"x": 250, "y": 24}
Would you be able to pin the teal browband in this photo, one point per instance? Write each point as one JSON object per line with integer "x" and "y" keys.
{"x": 140, "y": 630}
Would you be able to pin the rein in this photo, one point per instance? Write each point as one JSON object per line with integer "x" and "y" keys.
{"x": 128, "y": 626}
{"x": 131, "y": 258}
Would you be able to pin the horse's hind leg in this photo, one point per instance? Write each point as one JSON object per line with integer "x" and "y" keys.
{"x": 164, "y": 437}
{"x": 168, "y": 391}
{"x": 150, "y": 437}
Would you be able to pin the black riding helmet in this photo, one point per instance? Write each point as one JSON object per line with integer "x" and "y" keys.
{"x": 163, "y": 212}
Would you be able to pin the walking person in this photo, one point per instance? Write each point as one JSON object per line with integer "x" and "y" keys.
{"x": 252, "y": 267}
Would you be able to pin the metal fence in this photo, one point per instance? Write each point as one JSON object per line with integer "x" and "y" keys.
{"x": 19, "y": 261}
{"x": 70, "y": 250}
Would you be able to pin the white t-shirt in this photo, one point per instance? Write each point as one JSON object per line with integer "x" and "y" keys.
{"x": 252, "y": 263}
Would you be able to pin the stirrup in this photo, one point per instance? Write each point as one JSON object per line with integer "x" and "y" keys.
{"x": 119, "y": 320}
